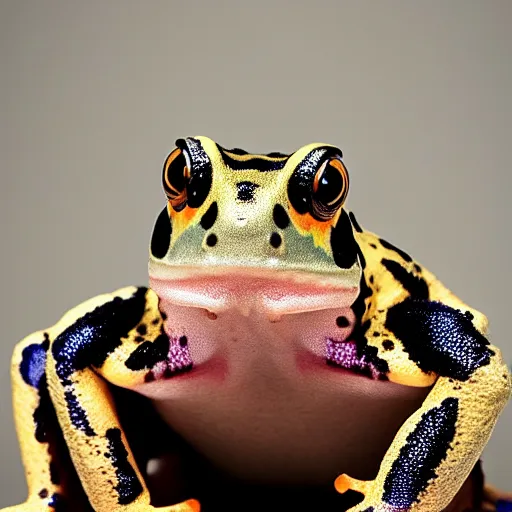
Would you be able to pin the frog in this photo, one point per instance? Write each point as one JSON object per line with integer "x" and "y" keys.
{"x": 256, "y": 265}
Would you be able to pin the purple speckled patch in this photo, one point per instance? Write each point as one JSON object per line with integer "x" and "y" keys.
{"x": 178, "y": 359}
{"x": 344, "y": 355}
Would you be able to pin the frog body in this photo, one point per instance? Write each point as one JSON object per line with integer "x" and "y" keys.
{"x": 265, "y": 294}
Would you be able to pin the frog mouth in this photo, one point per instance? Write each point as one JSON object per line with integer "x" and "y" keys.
{"x": 274, "y": 292}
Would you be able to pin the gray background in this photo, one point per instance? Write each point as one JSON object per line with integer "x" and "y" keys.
{"x": 94, "y": 94}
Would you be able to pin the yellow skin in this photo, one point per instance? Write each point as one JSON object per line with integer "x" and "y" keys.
{"x": 409, "y": 329}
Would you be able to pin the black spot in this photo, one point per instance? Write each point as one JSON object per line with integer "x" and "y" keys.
{"x": 373, "y": 245}
{"x": 211, "y": 240}
{"x": 376, "y": 334}
{"x": 356, "y": 225}
{"x": 417, "y": 268}
{"x": 280, "y": 216}
{"x": 183, "y": 341}
{"x": 149, "y": 377}
{"x": 148, "y": 354}
{"x": 439, "y": 338}
{"x": 425, "y": 448}
{"x": 142, "y": 329}
{"x": 128, "y": 485}
{"x": 388, "y": 345}
{"x": 344, "y": 247}
{"x": 209, "y": 218}
{"x": 371, "y": 280}
{"x": 245, "y": 191}
{"x": 391, "y": 247}
{"x": 90, "y": 340}
{"x": 416, "y": 286}
{"x": 161, "y": 238}
{"x": 43, "y": 493}
{"x": 275, "y": 240}
{"x": 77, "y": 414}
{"x": 342, "y": 321}
{"x": 139, "y": 339}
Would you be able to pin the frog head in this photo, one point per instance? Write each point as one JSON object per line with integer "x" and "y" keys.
{"x": 273, "y": 224}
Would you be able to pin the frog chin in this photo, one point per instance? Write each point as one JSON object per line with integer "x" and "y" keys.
{"x": 273, "y": 293}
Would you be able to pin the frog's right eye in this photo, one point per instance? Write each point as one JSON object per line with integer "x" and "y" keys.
{"x": 176, "y": 175}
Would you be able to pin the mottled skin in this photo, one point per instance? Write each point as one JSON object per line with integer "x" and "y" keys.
{"x": 274, "y": 225}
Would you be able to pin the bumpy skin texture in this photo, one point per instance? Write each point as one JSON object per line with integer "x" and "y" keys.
{"x": 409, "y": 329}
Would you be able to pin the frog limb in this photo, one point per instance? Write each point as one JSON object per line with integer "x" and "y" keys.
{"x": 80, "y": 344}
{"x": 36, "y": 425}
{"x": 436, "y": 448}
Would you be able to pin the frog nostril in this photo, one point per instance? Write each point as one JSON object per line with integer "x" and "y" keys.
{"x": 275, "y": 240}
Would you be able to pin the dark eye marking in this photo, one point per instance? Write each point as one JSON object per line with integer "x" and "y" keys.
{"x": 280, "y": 216}
{"x": 416, "y": 286}
{"x": 343, "y": 244}
{"x": 391, "y": 247}
{"x": 356, "y": 225}
{"x": 245, "y": 191}
{"x": 161, "y": 238}
{"x": 209, "y": 218}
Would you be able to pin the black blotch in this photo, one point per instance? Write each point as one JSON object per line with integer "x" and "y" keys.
{"x": 469, "y": 315}
{"x": 342, "y": 321}
{"x": 439, "y": 338}
{"x": 161, "y": 238}
{"x": 275, "y": 240}
{"x": 183, "y": 341}
{"x": 417, "y": 268}
{"x": 245, "y": 191}
{"x": 280, "y": 216}
{"x": 148, "y": 354}
{"x": 142, "y": 329}
{"x": 344, "y": 247}
{"x": 43, "y": 493}
{"x": 371, "y": 279}
{"x": 33, "y": 361}
{"x": 371, "y": 355}
{"x": 155, "y": 321}
{"x": 209, "y": 218}
{"x": 149, "y": 377}
{"x": 391, "y": 247}
{"x": 373, "y": 245}
{"x": 54, "y": 473}
{"x": 77, "y": 414}
{"x": 356, "y": 225}
{"x": 415, "y": 285}
{"x": 388, "y": 345}
{"x": 90, "y": 340}
{"x": 425, "y": 448}
{"x": 376, "y": 334}
{"x": 139, "y": 339}
{"x": 211, "y": 240}
{"x": 58, "y": 503}
{"x": 128, "y": 485}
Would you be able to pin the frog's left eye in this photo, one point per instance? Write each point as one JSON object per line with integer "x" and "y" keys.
{"x": 175, "y": 177}
{"x": 330, "y": 188}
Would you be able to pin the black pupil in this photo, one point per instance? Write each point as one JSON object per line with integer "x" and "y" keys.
{"x": 176, "y": 172}
{"x": 330, "y": 185}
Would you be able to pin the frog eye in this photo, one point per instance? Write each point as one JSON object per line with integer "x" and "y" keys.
{"x": 330, "y": 188}
{"x": 176, "y": 175}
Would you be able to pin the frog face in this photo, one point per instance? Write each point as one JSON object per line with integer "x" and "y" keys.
{"x": 274, "y": 217}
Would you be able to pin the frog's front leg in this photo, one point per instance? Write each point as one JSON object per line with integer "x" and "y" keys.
{"x": 436, "y": 448}
{"x": 91, "y": 345}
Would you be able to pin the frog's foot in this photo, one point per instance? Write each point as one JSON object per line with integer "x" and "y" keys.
{"x": 346, "y": 483}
